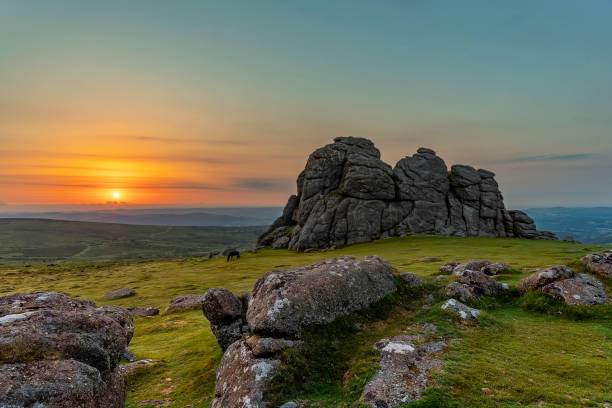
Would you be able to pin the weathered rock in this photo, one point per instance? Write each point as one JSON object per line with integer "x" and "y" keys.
{"x": 471, "y": 265}
{"x": 480, "y": 284}
{"x": 545, "y": 276}
{"x": 268, "y": 346}
{"x": 289, "y": 404}
{"x": 459, "y": 291}
{"x": 346, "y": 194}
{"x": 224, "y": 310}
{"x": 60, "y": 384}
{"x": 601, "y": 264}
{"x": 582, "y": 289}
{"x": 284, "y": 302}
{"x": 56, "y": 351}
{"x": 403, "y": 372}
{"x": 242, "y": 377}
{"x": 119, "y": 293}
{"x": 448, "y": 268}
{"x": 496, "y": 268}
{"x": 143, "y": 311}
{"x": 463, "y": 311}
{"x": 185, "y": 302}
{"x": 129, "y": 356}
{"x": 411, "y": 280}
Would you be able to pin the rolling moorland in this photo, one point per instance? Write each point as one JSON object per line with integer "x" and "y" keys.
{"x": 524, "y": 351}
{"x": 44, "y": 241}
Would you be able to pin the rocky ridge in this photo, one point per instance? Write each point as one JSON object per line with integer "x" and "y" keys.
{"x": 346, "y": 195}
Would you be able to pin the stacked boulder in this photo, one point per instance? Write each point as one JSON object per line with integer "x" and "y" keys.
{"x": 282, "y": 305}
{"x": 346, "y": 195}
{"x": 560, "y": 282}
{"x": 60, "y": 352}
{"x": 224, "y": 311}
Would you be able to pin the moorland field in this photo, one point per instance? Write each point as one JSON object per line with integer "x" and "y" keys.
{"x": 524, "y": 351}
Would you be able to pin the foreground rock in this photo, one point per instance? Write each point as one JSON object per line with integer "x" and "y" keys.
{"x": 284, "y": 302}
{"x": 119, "y": 293}
{"x": 346, "y": 195}
{"x": 560, "y": 282}
{"x": 185, "y": 302}
{"x": 241, "y": 378}
{"x": 59, "y": 352}
{"x": 580, "y": 290}
{"x": 471, "y": 285}
{"x": 224, "y": 311}
{"x": 463, "y": 311}
{"x": 403, "y": 373}
{"x": 600, "y": 264}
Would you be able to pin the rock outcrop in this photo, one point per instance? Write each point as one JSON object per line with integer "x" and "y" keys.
{"x": 284, "y": 302}
{"x": 560, "y": 282}
{"x": 346, "y": 195}
{"x": 60, "y": 352}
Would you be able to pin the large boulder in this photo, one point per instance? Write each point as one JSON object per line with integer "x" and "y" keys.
{"x": 346, "y": 195}
{"x": 601, "y": 264}
{"x": 582, "y": 289}
{"x": 60, "y": 352}
{"x": 284, "y": 302}
{"x": 224, "y": 311}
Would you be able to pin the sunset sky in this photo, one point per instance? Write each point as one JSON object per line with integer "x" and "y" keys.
{"x": 220, "y": 103}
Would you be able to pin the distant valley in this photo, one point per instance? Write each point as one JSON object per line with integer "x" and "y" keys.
{"x": 588, "y": 225}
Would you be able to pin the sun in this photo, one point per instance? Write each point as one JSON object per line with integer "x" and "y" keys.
{"x": 116, "y": 194}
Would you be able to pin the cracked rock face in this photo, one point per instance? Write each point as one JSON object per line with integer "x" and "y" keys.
{"x": 346, "y": 195}
{"x": 56, "y": 351}
{"x": 242, "y": 377}
{"x": 403, "y": 371}
{"x": 284, "y": 302}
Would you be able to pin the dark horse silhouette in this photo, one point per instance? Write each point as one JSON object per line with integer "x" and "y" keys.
{"x": 233, "y": 254}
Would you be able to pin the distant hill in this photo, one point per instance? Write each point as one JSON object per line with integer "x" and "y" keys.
{"x": 197, "y": 217}
{"x": 589, "y": 225}
{"x": 35, "y": 240}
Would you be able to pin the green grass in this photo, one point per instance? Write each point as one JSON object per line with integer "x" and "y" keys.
{"x": 37, "y": 241}
{"x": 526, "y": 354}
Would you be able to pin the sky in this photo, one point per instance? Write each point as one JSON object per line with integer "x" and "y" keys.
{"x": 220, "y": 103}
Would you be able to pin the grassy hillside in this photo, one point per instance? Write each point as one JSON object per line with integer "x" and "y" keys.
{"x": 33, "y": 240}
{"x": 528, "y": 352}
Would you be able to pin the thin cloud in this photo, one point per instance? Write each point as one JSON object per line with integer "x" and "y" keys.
{"x": 553, "y": 157}
{"x": 266, "y": 184}
{"x": 164, "y": 139}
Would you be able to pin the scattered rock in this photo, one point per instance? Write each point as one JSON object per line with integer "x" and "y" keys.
{"x": 284, "y": 302}
{"x": 119, "y": 293}
{"x": 545, "y": 276}
{"x": 346, "y": 195}
{"x": 471, "y": 265}
{"x": 224, "y": 311}
{"x": 580, "y": 290}
{"x": 143, "y": 311}
{"x": 448, "y": 268}
{"x": 289, "y": 404}
{"x": 459, "y": 291}
{"x": 185, "y": 302}
{"x": 430, "y": 259}
{"x": 403, "y": 372}
{"x": 132, "y": 367}
{"x": 129, "y": 356}
{"x": 495, "y": 268}
{"x": 411, "y": 280}
{"x": 267, "y": 346}
{"x": 463, "y": 311}
{"x": 242, "y": 377}
{"x": 61, "y": 352}
{"x": 601, "y": 264}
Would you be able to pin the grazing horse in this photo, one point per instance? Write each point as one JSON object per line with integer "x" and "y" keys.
{"x": 233, "y": 254}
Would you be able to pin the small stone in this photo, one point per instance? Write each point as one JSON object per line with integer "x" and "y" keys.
{"x": 463, "y": 311}
{"x": 119, "y": 293}
{"x": 411, "y": 280}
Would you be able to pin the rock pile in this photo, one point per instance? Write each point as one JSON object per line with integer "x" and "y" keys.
{"x": 346, "y": 195}
{"x": 283, "y": 303}
{"x": 560, "y": 282}
{"x": 481, "y": 265}
{"x": 471, "y": 285}
{"x": 60, "y": 352}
